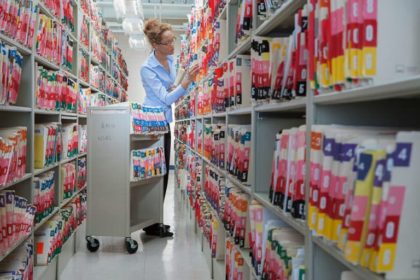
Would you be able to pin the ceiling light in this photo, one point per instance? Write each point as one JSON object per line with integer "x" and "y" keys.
{"x": 137, "y": 42}
{"x": 120, "y": 8}
{"x": 132, "y": 25}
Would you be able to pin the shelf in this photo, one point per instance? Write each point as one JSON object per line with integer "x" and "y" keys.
{"x": 139, "y": 182}
{"x": 83, "y": 48}
{"x": 83, "y": 83}
{"x": 298, "y": 105}
{"x": 45, "y": 169}
{"x": 82, "y": 155}
{"x": 207, "y": 116}
{"x": 239, "y": 184}
{"x": 245, "y": 252}
{"x": 298, "y": 225}
{"x": 183, "y": 120}
{"x": 95, "y": 89}
{"x": 24, "y": 178}
{"x": 47, "y": 12}
{"x": 241, "y": 111}
{"x": 64, "y": 161}
{"x": 409, "y": 87}
{"x": 244, "y": 46}
{"x": 66, "y": 201}
{"x": 285, "y": 14}
{"x": 218, "y": 169}
{"x": 69, "y": 74}
{"x": 146, "y": 137}
{"x": 12, "y": 108}
{"x": 68, "y": 114}
{"x": 44, "y": 62}
{"x": 82, "y": 116}
{"x": 40, "y": 224}
{"x": 17, "y": 244}
{"x": 21, "y": 48}
{"x": 46, "y": 112}
{"x": 338, "y": 255}
{"x": 69, "y": 117}
{"x": 95, "y": 61}
{"x": 219, "y": 115}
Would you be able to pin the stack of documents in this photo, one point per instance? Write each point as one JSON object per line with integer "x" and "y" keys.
{"x": 214, "y": 189}
{"x": 19, "y": 264}
{"x": 70, "y": 136}
{"x": 235, "y": 216}
{"x": 49, "y": 239}
{"x": 235, "y": 263}
{"x": 244, "y": 20}
{"x": 44, "y": 195}
{"x": 83, "y": 100}
{"x": 352, "y": 43}
{"x": 20, "y": 21}
{"x": 287, "y": 189}
{"x": 279, "y": 65}
{"x": 194, "y": 179}
{"x": 147, "y": 163}
{"x": 84, "y": 66}
{"x": 11, "y": 62}
{"x": 97, "y": 77}
{"x": 49, "y": 39}
{"x": 218, "y": 145}
{"x": 16, "y": 219}
{"x": 13, "y": 146}
{"x": 82, "y": 134}
{"x": 147, "y": 120}
{"x": 362, "y": 189}
{"x": 68, "y": 179}
{"x": 81, "y": 173}
{"x": 48, "y": 144}
{"x": 55, "y": 91}
{"x": 239, "y": 148}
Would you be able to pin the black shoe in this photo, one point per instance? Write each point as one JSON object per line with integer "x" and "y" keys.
{"x": 166, "y": 233}
{"x": 161, "y": 231}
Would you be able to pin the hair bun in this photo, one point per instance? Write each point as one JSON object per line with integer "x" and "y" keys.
{"x": 153, "y": 29}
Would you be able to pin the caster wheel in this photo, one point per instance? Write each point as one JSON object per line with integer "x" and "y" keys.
{"x": 92, "y": 244}
{"x": 131, "y": 245}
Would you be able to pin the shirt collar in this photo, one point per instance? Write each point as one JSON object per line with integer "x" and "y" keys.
{"x": 154, "y": 62}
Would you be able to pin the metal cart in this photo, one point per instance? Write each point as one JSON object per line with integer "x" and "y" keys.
{"x": 116, "y": 205}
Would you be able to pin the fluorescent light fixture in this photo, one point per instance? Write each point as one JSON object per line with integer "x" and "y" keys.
{"x": 132, "y": 25}
{"x": 137, "y": 42}
{"x": 120, "y": 8}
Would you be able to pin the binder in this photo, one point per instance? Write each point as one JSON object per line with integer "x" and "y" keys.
{"x": 242, "y": 80}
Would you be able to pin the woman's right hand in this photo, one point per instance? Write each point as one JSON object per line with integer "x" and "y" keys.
{"x": 190, "y": 76}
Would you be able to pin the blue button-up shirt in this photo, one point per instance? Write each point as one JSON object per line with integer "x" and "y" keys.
{"x": 157, "y": 81}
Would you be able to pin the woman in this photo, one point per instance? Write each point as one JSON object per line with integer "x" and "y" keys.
{"x": 158, "y": 75}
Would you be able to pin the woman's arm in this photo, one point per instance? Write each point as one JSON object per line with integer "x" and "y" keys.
{"x": 153, "y": 83}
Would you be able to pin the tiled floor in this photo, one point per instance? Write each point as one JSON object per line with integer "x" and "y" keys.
{"x": 179, "y": 257}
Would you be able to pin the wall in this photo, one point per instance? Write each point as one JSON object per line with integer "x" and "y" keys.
{"x": 135, "y": 59}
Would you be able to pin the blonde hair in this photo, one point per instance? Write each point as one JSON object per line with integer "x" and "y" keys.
{"x": 153, "y": 29}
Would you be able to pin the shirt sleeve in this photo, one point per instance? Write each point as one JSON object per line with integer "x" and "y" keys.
{"x": 151, "y": 81}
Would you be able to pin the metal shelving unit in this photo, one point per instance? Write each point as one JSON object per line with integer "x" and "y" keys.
{"x": 26, "y": 113}
{"x": 393, "y": 103}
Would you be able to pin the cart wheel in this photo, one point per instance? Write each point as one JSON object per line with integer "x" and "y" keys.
{"x": 131, "y": 245}
{"x": 92, "y": 244}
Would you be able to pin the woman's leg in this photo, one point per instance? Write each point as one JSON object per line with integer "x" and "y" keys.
{"x": 167, "y": 146}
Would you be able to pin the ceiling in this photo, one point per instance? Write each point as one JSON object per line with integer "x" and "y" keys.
{"x": 170, "y": 11}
